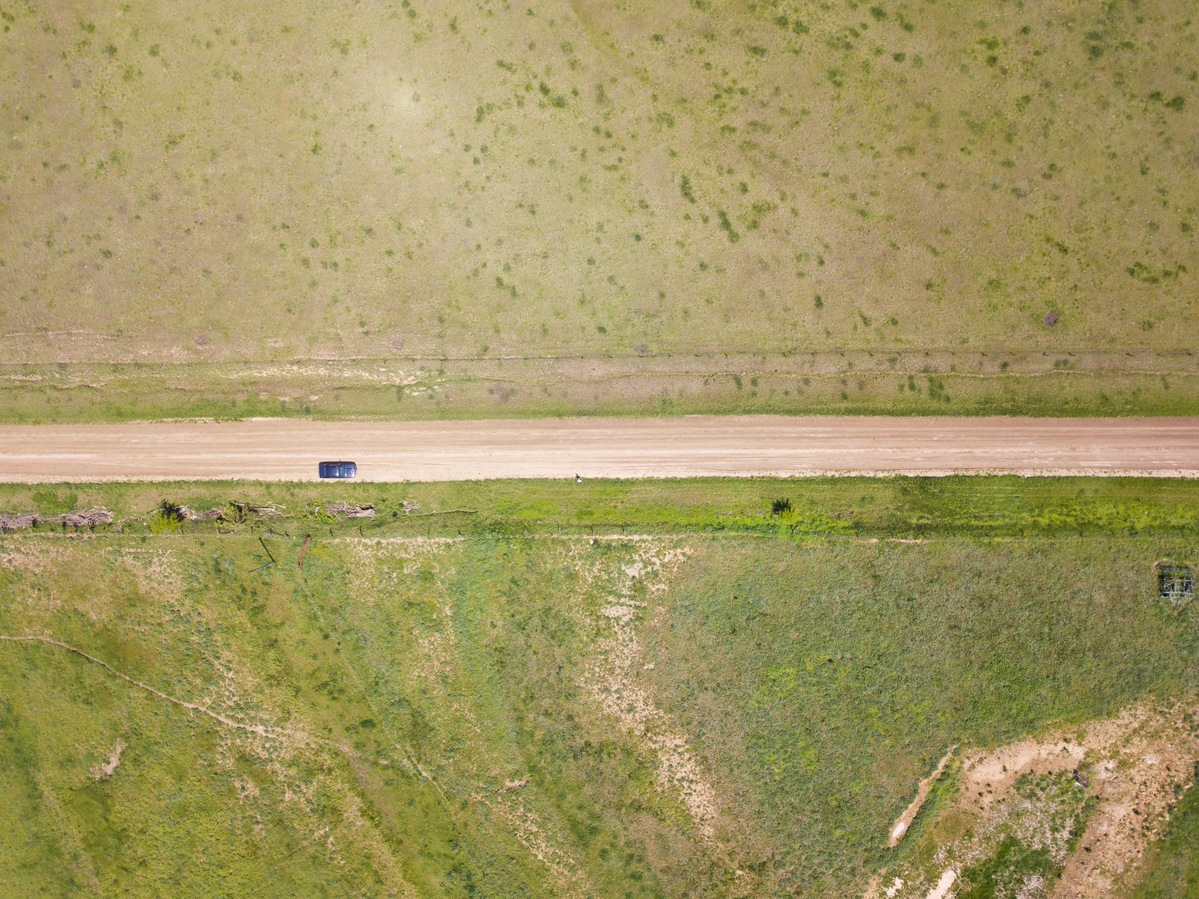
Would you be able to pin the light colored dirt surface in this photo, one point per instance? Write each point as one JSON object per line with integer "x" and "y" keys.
{"x": 694, "y": 446}
{"x": 944, "y": 885}
{"x": 612, "y": 682}
{"x": 1143, "y": 758}
{"x": 109, "y": 768}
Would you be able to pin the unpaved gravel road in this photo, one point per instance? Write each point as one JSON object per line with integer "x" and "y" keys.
{"x": 694, "y": 446}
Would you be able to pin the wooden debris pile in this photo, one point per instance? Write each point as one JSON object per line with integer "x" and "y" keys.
{"x": 86, "y": 518}
{"x": 80, "y": 518}
{"x": 247, "y": 510}
{"x": 213, "y": 514}
{"x": 15, "y": 521}
{"x": 342, "y": 511}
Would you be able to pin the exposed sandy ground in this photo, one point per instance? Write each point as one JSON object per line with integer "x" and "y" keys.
{"x": 1143, "y": 758}
{"x": 695, "y": 446}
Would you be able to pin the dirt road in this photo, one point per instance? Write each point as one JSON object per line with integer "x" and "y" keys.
{"x": 279, "y": 449}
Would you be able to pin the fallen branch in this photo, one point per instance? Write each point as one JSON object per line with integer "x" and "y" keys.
{"x": 244, "y": 509}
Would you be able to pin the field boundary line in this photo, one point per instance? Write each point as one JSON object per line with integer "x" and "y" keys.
{"x": 256, "y": 729}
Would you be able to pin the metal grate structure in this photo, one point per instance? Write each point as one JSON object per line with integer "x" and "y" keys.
{"x": 1176, "y": 584}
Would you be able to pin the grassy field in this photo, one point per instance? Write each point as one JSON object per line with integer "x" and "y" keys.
{"x": 520, "y": 699}
{"x": 840, "y": 674}
{"x": 867, "y": 383}
{"x": 579, "y": 207}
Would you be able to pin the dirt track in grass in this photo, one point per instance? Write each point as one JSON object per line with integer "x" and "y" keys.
{"x": 699, "y": 446}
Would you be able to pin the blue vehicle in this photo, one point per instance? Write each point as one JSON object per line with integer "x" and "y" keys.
{"x": 337, "y": 469}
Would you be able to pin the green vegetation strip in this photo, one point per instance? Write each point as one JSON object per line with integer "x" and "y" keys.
{"x": 910, "y": 382}
{"x": 1005, "y": 506}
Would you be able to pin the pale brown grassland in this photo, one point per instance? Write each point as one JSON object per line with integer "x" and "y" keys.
{"x": 443, "y": 186}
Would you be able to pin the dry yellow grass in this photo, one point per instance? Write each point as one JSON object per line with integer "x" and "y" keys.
{"x": 224, "y": 184}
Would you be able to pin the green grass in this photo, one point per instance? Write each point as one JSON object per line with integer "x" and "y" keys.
{"x": 1007, "y": 506}
{"x": 193, "y": 807}
{"x": 605, "y": 209}
{"x": 841, "y": 672}
{"x": 433, "y": 702}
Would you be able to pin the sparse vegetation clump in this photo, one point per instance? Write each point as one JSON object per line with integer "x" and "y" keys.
{"x": 167, "y": 518}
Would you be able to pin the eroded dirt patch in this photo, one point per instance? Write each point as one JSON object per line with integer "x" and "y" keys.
{"x": 1144, "y": 756}
{"x": 1063, "y": 816}
{"x": 612, "y": 679}
{"x": 109, "y": 768}
{"x": 901, "y": 825}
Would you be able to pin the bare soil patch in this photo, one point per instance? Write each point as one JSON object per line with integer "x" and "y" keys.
{"x": 613, "y": 684}
{"x": 109, "y": 768}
